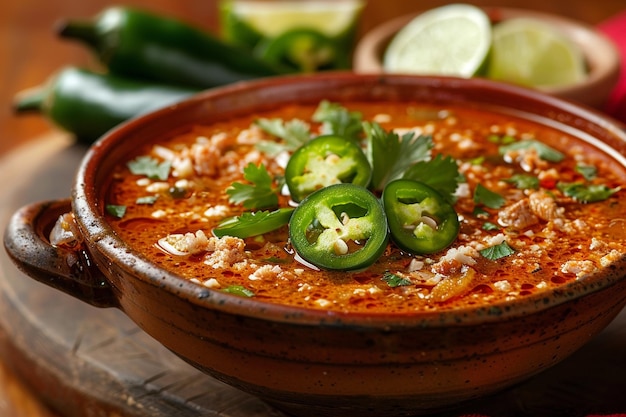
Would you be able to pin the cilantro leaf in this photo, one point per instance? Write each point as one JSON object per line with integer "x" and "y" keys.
{"x": 490, "y": 226}
{"x": 544, "y": 151}
{"x": 293, "y": 132}
{"x": 586, "y": 193}
{"x": 441, "y": 173}
{"x": 150, "y": 167}
{"x": 394, "y": 280}
{"x": 260, "y": 194}
{"x": 115, "y": 210}
{"x": 496, "y": 252}
{"x": 524, "y": 181}
{"x": 337, "y": 120}
{"x": 390, "y": 155}
{"x": 589, "y": 172}
{"x": 488, "y": 198}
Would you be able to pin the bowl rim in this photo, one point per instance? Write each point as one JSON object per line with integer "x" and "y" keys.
{"x": 596, "y": 46}
{"x": 95, "y": 229}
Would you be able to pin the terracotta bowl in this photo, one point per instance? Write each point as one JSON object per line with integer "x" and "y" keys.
{"x": 602, "y": 56}
{"x": 315, "y": 363}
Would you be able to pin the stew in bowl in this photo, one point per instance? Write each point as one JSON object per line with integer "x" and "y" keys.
{"x": 344, "y": 244}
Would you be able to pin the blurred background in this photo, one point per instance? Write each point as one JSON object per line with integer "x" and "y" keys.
{"x": 30, "y": 51}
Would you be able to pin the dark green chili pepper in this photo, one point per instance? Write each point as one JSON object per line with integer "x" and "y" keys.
{"x": 140, "y": 44}
{"x": 304, "y": 50}
{"x": 324, "y": 161}
{"x": 339, "y": 227}
{"x": 88, "y": 104}
{"x": 420, "y": 220}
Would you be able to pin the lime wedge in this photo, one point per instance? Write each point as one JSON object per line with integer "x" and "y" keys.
{"x": 448, "y": 40}
{"x": 273, "y": 18}
{"x": 534, "y": 54}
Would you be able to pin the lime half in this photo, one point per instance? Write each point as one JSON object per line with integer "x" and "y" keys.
{"x": 273, "y": 18}
{"x": 533, "y": 53}
{"x": 448, "y": 40}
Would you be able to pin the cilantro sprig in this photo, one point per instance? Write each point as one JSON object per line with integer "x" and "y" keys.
{"x": 293, "y": 133}
{"x": 337, "y": 120}
{"x": 391, "y": 155}
{"x": 260, "y": 193}
{"x": 441, "y": 173}
{"x": 586, "y": 193}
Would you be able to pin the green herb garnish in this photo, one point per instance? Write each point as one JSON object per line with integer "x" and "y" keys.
{"x": 589, "y": 172}
{"x": 586, "y": 193}
{"x": 394, "y": 280}
{"x": 496, "y": 252}
{"x": 115, "y": 210}
{"x": 390, "y": 155}
{"x": 488, "y": 198}
{"x": 339, "y": 121}
{"x": 488, "y": 226}
{"x": 441, "y": 173}
{"x": 524, "y": 181}
{"x": 150, "y": 167}
{"x": 294, "y": 133}
{"x": 261, "y": 193}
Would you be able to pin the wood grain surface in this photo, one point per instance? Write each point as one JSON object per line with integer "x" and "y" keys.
{"x": 31, "y": 366}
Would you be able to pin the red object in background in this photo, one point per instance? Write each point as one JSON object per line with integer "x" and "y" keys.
{"x": 615, "y": 29}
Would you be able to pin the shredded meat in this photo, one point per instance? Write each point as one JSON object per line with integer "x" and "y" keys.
{"x": 518, "y": 215}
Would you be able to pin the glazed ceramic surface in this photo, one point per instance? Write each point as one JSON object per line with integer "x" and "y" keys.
{"x": 316, "y": 363}
{"x": 602, "y": 56}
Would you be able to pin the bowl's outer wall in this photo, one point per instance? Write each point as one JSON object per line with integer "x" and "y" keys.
{"x": 321, "y": 360}
{"x": 322, "y": 367}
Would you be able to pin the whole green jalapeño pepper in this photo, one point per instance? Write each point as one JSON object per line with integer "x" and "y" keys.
{"x": 324, "y": 161}
{"x": 420, "y": 220}
{"x": 88, "y": 104}
{"x": 136, "y": 43}
{"x": 339, "y": 227}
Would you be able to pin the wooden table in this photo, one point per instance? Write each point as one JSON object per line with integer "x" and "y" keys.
{"x": 30, "y": 52}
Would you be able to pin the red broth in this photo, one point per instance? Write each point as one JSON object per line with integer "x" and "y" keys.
{"x": 554, "y": 238}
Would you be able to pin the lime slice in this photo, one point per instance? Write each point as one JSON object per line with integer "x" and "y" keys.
{"x": 272, "y": 18}
{"x": 533, "y": 53}
{"x": 448, "y": 40}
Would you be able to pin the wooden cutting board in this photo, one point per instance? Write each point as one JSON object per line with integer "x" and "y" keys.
{"x": 88, "y": 361}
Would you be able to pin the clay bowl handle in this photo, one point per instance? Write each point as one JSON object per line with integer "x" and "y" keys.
{"x": 70, "y": 271}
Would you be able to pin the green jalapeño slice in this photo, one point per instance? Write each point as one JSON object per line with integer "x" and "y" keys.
{"x": 339, "y": 227}
{"x": 324, "y": 161}
{"x": 420, "y": 220}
